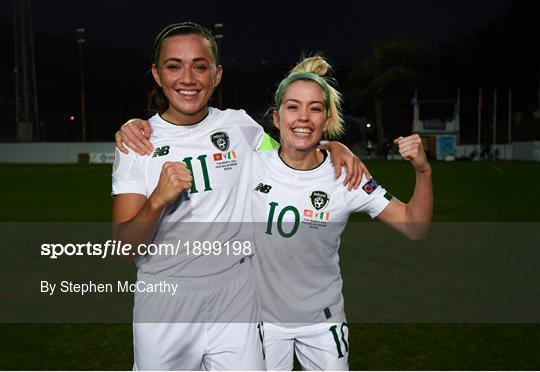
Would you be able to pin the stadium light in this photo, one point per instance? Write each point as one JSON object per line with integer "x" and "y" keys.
{"x": 218, "y": 35}
{"x": 368, "y": 125}
{"x": 80, "y": 41}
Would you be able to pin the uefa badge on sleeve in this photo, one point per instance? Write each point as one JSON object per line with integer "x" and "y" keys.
{"x": 370, "y": 186}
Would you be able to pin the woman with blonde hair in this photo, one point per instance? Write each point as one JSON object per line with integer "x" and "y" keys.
{"x": 301, "y": 215}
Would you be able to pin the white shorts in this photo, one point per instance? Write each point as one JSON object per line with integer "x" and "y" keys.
{"x": 209, "y": 324}
{"x": 321, "y": 346}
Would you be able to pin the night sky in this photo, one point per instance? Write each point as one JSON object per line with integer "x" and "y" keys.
{"x": 262, "y": 41}
{"x": 256, "y": 31}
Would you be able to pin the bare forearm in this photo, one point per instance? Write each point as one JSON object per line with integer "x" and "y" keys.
{"x": 419, "y": 209}
{"x": 414, "y": 218}
{"x": 141, "y": 228}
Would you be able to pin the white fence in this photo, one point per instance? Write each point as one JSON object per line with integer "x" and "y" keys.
{"x": 102, "y": 152}
{"x": 55, "y": 152}
{"x": 514, "y": 151}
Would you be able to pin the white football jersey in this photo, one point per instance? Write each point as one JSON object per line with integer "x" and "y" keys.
{"x": 218, "y": 151}
{"x": 300, "y": 216}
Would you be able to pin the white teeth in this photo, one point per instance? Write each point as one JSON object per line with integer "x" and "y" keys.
{"x": 302, "y": 130}
{"x": 188, "y": 92}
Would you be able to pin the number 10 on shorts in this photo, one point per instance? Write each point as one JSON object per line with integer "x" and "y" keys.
{"x": 343, "y": 339}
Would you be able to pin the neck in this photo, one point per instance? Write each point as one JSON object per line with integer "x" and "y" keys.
{"x": 299, "y": 159}
{"x": 182, "y": 119}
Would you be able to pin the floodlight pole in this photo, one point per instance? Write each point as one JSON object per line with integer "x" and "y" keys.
{"x": 480, "y": 104}
{"x": 510, "y": 115}
{"x": 80, "y": 42}
{"x": 218, "y": 29}
{"x": 494, "y": 120}
{"x": 26, "y": 99}
{"x": 509, "y": 123}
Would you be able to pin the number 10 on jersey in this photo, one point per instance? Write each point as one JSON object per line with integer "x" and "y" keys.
{"x": 288, "y": 209}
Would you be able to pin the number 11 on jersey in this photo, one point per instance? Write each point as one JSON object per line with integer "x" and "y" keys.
{"x": 202, "y": 160}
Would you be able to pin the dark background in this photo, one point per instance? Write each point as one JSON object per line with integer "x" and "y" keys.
{"x": 466, "y": 45}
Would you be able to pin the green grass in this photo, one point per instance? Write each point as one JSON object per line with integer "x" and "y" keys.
{"x": 470, "y": 191}
{"x": 464, "y": 192}
{"x": 55, "y": 193}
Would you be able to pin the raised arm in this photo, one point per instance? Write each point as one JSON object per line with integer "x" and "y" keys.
{"x": 135, "y": 217}
{"x": 414, "y": 218}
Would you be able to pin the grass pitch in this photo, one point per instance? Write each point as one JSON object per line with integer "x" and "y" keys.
{"x": 464, "y": 192}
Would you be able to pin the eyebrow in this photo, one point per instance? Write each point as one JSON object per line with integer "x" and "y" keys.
{"x": 197, "y": 59}
{"x": 297, "y": 101}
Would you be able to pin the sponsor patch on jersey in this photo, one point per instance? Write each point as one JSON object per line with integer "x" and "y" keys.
{"x": 370, "y": 186}
{"x": 220, "y": 140}
{"x": 319, "y": 199}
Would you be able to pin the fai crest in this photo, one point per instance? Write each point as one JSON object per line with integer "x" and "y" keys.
{"x": 319, "y": 199}
{"x": 220, "y": 140}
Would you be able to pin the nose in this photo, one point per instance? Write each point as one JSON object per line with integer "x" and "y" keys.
{"x": 187, "y": 77}
{"x": 303, "y": 114}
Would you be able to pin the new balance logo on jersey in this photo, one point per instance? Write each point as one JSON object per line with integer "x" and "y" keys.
{"x": 265, "y": 189}
{"x": 220, "y": 140}
{"x": 160, "y": 151}
{"x": 319, "y": 199}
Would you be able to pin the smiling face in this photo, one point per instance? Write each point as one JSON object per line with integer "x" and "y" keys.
{"x": 187, "y": 74}
{"x": 302, "y": 116}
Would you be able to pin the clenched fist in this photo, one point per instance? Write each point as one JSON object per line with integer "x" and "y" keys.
{"x": 174, "y": 179}
{"x": 411, "y": 149}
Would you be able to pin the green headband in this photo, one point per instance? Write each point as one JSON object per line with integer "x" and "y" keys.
{"x": 302, "y": 76}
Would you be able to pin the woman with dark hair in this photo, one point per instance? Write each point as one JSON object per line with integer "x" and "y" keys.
{"x": 191, "y": 193}
{"x": 210, "y": 321}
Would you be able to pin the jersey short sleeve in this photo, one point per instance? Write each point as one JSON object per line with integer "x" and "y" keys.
{"x": 268, "y": 143}
{"x": 370, "y": 198}
{"x": 128, "y": 175}
{"x": 253, "y": 132}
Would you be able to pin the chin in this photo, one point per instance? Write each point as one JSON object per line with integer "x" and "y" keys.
{"x": 304, "y": 146}
{"x": 190, "y": 109}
